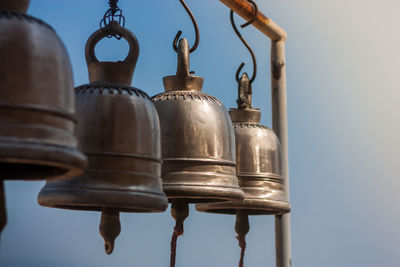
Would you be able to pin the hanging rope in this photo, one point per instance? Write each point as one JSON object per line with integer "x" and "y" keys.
{"x": 178, "y": 231}
{"x": 179, "y": 211}
{"x": 114, "y": 13}
{"x": 242, "y": 227}
{"x": 196, "y": 29}
{"x": 242, "y": 245}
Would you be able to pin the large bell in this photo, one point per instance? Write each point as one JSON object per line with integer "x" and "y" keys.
{"x": 259, "y": 168}
{"x": 36, "y": 99}
{"x": 198, "y": 145}
{"x": 119, "y": 131}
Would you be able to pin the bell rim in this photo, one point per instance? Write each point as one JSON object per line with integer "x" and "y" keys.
{"x": 193, "y": 194}
{"x": 73, "y": 199}
{"x": 68, "y": 158}
{"x": 250, "y": 206}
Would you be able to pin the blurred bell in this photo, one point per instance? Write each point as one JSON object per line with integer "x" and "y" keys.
{"x": 36, "y": 99}
{"x": 259, "y": 161}
{"x": 119, "y": 132}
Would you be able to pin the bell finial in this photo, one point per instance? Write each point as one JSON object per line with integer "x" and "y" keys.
{"x": 183, "y": 80}
{"x": 110, "y": 228}
{"x": 245, "y": 92}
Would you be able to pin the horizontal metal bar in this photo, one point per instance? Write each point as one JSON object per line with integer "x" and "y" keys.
{"x": 245, "y": 9}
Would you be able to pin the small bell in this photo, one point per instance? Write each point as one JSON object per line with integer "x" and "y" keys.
{"x": 36, "y": 99}
{"x": 198, "y": 145}
{"x": 119, "y": 132}
{"x": 259, "y": 160}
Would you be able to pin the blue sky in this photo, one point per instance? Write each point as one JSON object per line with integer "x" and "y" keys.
{"x": 343, "y": 66}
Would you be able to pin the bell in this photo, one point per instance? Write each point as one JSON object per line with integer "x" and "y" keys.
{"x": 259, "y": 160}
{"x": 119, "y": 132}
{"x": 198, "y": 148}
{"x": 198, "y": 145}
{"x": 36, "y": 99}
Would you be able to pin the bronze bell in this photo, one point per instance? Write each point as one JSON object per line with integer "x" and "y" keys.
{"x": 119, "y": 131}
{"x": 36, "y": 99}
{"x": 198, "y": 145}
{"x": 259, "y": 160}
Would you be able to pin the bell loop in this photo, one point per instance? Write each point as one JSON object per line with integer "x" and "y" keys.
{"x": 183, "y": 80}
{"x": 115, "y": 72}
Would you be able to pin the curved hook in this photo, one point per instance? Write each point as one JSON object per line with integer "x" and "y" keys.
{"x": 196, "y": 29}
{"x": 253, "y": 57}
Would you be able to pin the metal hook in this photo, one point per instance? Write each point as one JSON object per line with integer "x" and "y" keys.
{"x": 196, "y": 29}
{"x": 253, "y": 57}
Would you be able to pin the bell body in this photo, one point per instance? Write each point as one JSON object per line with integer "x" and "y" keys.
{"x": 198, "y": 147}
{"x": 119, "y": 131}
{"x": 259, "y": 158}
{"x": 36, "y": 100}
{"x": 198, "y": 143}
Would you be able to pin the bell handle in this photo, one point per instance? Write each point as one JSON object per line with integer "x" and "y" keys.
{"x": 117, "y": 29}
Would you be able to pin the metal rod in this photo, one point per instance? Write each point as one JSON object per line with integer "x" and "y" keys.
{"x": 3, "y": 211}
{"x": 279, "y": 125}
{"x": 245, "y": 9}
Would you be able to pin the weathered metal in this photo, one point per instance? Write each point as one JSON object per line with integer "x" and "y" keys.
{"x": 37, "y": 119}
{"x": 259, "y": 160}
{"x": 119, "y": 131}
{"x": 198, "y": 148}
{"x": 246, "y": 10}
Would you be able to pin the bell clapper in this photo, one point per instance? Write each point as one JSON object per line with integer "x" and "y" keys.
{"x": 110, "y": 228}
{"x": 179, "y": 211}
{"x": 242, "y": 228}
{"x": 3, "y": 211}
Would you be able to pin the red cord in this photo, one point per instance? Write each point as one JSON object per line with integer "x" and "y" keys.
{"x": 178, "y": 231}
{"x": 242, "y": 245}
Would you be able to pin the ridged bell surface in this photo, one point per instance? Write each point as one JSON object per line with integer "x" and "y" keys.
{"x": 119, "y": 132}
{"x": 259, "y": 168}
{"x": 198, "y": 145}
{"x": 37, "y": 119}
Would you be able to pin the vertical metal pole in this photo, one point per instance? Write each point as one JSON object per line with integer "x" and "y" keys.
{"x": 279, "y": 125}
{"x": 3, "y": 211}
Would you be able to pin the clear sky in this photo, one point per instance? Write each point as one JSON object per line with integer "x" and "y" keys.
{"x": 343, "y": 65}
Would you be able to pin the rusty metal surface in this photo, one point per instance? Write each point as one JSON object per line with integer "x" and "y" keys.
{"x": 198, "y": 146}
{"x": 37, "y": 119}
{"x": 245, "y": 9}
